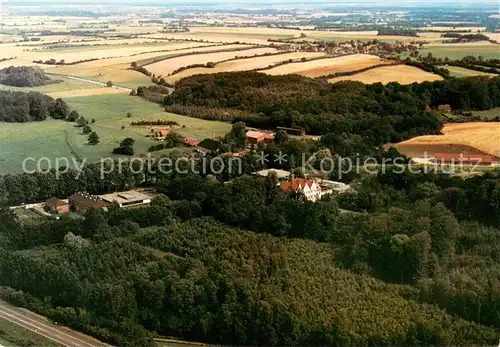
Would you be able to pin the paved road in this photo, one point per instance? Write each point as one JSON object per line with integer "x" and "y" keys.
{"x": 92, "y": 81}
{"x": 37, "y": 324}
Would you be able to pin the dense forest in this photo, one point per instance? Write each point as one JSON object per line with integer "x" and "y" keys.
{"x": 24, "y": 76}
{"x": 379, "y": 113}
{"x": 33, "y": 106}
{"x": 415, "y": 264}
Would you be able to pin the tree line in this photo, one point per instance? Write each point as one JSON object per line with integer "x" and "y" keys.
{"x": 33, "y": 106}
{"x": 379, "y": 113}
{"x": 24, "y": 76}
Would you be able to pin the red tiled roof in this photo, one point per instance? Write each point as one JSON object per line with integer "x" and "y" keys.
{"x": 191, "y": 142}
{"x": 255, "y": 134}
{"x": 162, "y": 132}
{"x": 464, "y": 157}
{"x": 287, "y": 186}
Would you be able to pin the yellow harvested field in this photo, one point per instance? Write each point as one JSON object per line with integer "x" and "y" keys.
{"x": 26, "y": 55}
{"x": 402, "y": 74}
{"x": 327, "y": 66}
{"x": 85, "y": 92}
{"x": 244, "y": 64}
{"x": 104, "y": 66}
{"x": 481, "y": 136}
{"x": 166, "y": 67}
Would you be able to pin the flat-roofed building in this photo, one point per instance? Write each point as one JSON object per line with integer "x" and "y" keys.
{"x": 281, "y": 174}
{"x": 127, "y": 199}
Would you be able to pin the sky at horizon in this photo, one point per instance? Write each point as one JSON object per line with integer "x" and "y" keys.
{"x": 263, "y": 2}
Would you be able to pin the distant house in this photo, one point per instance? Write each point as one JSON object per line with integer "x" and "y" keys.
{"x": 253, "y": 137}
{"x": 160, "y": 134}
{"x": 190, "y": 142}
{"x": 310, "y": 189}
{"x": 80, "y": 202}
{"x": 444, "y": 108}
{"x": 55, "y": 205}
{"x": 280, "y": 174}
{"x": 463, "y": 158}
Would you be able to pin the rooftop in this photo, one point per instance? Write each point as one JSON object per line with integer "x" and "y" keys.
{"x": 295, "y": 184}
{"x": 128, "y": 197}
{"x": 280, "y": 173}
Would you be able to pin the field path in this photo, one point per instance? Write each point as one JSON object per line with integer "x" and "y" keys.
{"x": 93, "y": 82}
{"x": 39, "y": 325}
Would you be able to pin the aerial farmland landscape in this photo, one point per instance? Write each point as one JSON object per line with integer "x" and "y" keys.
{"x": 316, "y": 173}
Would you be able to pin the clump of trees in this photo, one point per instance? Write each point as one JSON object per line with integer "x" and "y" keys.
{"x": 392, "y": 31}
{"x": 154, "y": 122}
{"x": 23, "y": 107}
{"x": 126, "y": 147}
{"x": 93, "y": 138}
{"x": 25, "y": 76}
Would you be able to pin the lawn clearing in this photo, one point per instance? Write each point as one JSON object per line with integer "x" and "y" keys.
{"x": 67, "y": 84}
{"x": 457, "y": 71}
{"x": 59, "y": 139}
{"x": 488, "y": 114}
{"x": 483, "y": 137}
{"x": 167, "y": 66}
{"x": 245, "y": 64}
{"x": 402, "y": 74}
{"x": 327, "y": 66}
{"x": 86, "y": 92}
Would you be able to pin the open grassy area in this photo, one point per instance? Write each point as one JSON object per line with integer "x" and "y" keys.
{"x": 14, "y": 335}
{"x": 488, "y": 114}
{"x": 458, "y": 72}
{"x": 458, "y": 51}
{"x": 54, "y": 138}
{"x": 67, "y": 84}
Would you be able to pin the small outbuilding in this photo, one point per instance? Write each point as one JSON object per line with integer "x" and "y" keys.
{"x": 55, "y": 205}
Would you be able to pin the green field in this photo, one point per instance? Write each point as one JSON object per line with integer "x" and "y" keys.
{"x": 488, "y": 114}
{"x": 460, "y": 51}
{"x": 54, "y": 138}
{"x": 456, "y": 71}
{"x": 66, "y": 84}
{"x": 13, "y": 335}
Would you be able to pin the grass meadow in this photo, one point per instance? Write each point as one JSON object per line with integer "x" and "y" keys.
{"x": 458, "y": 51}
{"x": 55, "y": 138}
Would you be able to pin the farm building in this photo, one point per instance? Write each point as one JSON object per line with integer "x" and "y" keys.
{"x": 126, "y": 199}
{"x": 55, "y": 205}
{"x": 191, "y": 142}
{"x": 463, "y": 158}
{"x": 80, "y": 202}
{"x": 309, "y": 188}
{"x": 444, "y": 108}
{"x": 160, "y": 134}
{"x": 255, "y": 137}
